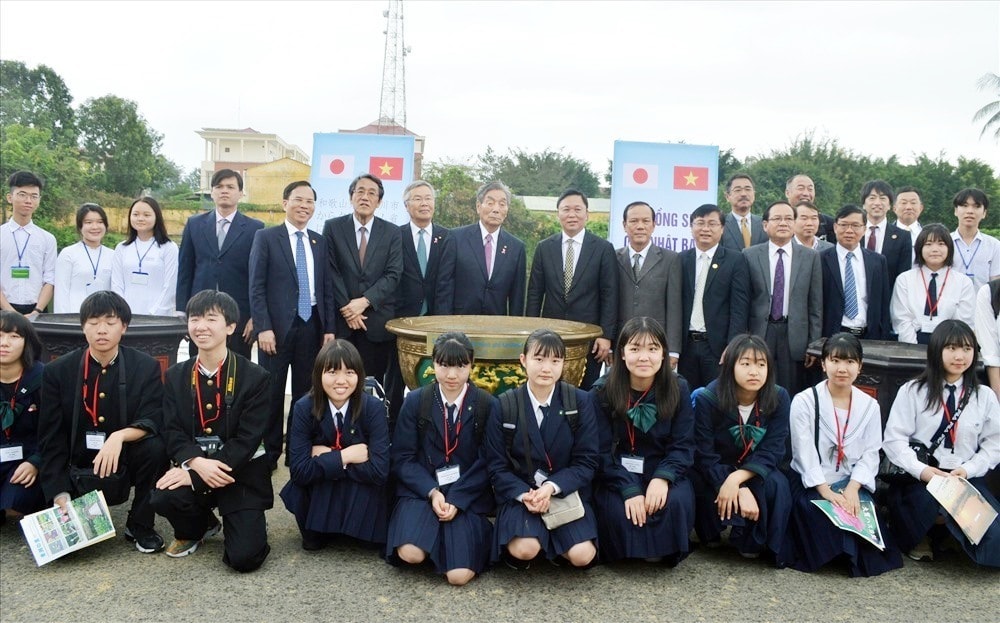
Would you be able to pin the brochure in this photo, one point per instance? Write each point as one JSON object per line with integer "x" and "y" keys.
{"x": 965, "y": 504}
{"x": 864, "y": 525}
{"x": 52, "y": 533}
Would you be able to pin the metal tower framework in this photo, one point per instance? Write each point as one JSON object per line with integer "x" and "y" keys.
{"x": 392, "y": 102}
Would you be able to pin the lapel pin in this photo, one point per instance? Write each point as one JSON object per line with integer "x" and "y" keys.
{"x": 503, "y": 251}
{"x": 715, "y": 265}
{"x": 313, "y": 240}
{"x": 894, "y": 236}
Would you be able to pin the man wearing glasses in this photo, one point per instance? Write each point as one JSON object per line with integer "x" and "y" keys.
{"x": 27, "y": 252}
{"x": 742, "y": 228}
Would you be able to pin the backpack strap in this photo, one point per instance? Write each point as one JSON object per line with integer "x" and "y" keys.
{"x": 481, "y": 410}
{"x": 512, "y": 417}
{"x": 570, "y": 410}
{"x": 816, "y": 409}
{"x": 424, "y": 416}
{"x": 994, "y": 297}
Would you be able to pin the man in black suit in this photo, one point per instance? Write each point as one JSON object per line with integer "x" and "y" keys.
{"x": 215, "y": 255}
{"x": 291, "y": 303}
{"x": 800, "y": 188}
{"x": 742, "y": 229}
{"x": 366, "y": 257}
{"x": 425, "y": 287}
{"x": 492, "y": 271}
{"x": 574, "y": 276}
{"x": 855, "y": 295}
{"x": 882, "y": 237}
{"x": 716, "y": 297}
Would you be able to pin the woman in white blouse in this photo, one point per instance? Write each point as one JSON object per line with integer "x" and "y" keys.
{"x": 144, "y": 270}
{"x": 958, "y": 421}
{"x": 85, "y": 267}
{"x": 835, "y": 458}
{"x": 931, "y": 291}
{"x": 988, "y": 331}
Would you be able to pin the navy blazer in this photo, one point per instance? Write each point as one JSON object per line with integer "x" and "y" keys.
{"x": 274, "y": 285}
{"x": 732, "y": 236}
{"x": 574, "y": 457}
{"x": 416, "y": 458}
{"x": 377, "y": 281}
{"x": 436, "y": 286}
{"x": 718, "y": 454}
{"x": 201, "y": 265}
{"x": 879, "y": 293}
{"x": 897, "y": 247}
{"x": 593, "y": 293}
{"x": 502, "y": 294}
{"x": 726, "y": 300}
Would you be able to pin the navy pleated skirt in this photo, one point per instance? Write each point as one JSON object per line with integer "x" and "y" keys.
{"x": 664, "y": 534}
{"x": 25, "y": 500}
{"x": 462, "y": 543}
{"x": 341, "y": 506}
{"x": 514, "y": 520}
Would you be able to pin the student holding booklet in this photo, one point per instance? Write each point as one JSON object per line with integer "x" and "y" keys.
{"x": 943, "y": 423}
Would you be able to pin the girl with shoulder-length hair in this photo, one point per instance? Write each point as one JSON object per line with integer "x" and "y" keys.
{"x": 957, "y": 420}
{"x": 144, "y": 269}
{"x": 84, "y": 267}
{"x": 644, "y": 501}
{"x": 742, "y": 430}
{"x": 338, "y": 446}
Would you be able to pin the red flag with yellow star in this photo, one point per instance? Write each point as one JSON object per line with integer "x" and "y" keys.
{"x": 690, "y": 178}
{"x": 386, "y": 169}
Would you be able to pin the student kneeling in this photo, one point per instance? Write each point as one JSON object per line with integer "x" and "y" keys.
{"x": 215, "y": 411}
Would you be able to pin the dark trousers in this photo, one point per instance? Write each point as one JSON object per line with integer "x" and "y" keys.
{"x": 592, "y": 372}
{"x": 394, "y": 388}
{"x": 375, "y": 355}
{"x": 145, "y": 460}
{"x": 190, "y": 514}
{"x": 24, "y": 309}
{"x": 788, "y": 371}
{"x": 298, "y": 349}
{"x": 697, "y": 363}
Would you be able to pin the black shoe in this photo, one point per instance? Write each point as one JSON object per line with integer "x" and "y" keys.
{"x": 146, "y": 540}
{"x": 515, "y": 563}
{"x": 313, "y": 541}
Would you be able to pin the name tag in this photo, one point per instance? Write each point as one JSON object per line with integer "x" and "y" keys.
{"x": 448, "y": 475}
{"x": 19, "y": 272}
{"x": 95, "y": 439}
{"x": 633, "y": 463}
{"x": 209, "y": 445}
{"x": 12, "y": 452}
{"x": 540, "y": 477}
{"x": 139, "y": 279}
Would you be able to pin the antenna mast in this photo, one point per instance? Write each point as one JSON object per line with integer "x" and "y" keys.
{"x": 392, "y": 102}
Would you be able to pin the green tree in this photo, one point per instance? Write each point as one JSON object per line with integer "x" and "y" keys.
{"x": 546, "y": 173}
{"x": 36, "y": 98}
{"x": 990, "y": 113}
{"x": 120, "y": 147}
{"x": 25, "y": 148}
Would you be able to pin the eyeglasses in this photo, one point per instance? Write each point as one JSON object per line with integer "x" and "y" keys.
{"x": 854, "y": 226}
{"x": 23, "y": 196}
{"x": 371, "y": 192}
{"x": 706, "y": 224}
{"x": 781, "y": 219}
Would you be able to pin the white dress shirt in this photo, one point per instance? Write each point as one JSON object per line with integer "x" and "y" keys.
{"x": 643, "y": 255}
{"x": 987, "y": 328}
{"x": 37, "y": 249}
{"x": 701, "y": 263}
{"x": 879, "y": 234}
{"x": 980, "y": 261}
{"x": 310, "y": 262}
{"x": 80, "y": 271}
{"x": 860, "y": 285}
{"x": 145, "y": 274}
{"x": 955, "y": 297}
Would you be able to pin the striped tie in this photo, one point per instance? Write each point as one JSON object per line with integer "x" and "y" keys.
{"x": 305, "y": 306}
{"x": 850, "y": 289}
{"x": 568, "y": 268}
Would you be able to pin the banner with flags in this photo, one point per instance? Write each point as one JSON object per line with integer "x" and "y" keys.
{"x": 673, "y": 179}
{"x": 339, "y": 158}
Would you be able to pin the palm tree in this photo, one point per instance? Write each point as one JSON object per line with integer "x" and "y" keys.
{"x": 990, "y": 113}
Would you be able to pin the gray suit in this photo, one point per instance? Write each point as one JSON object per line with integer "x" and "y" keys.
{"x": 820, "y": 244}
{"x": 732, "y": 237}
{"x": 656, "y": 293}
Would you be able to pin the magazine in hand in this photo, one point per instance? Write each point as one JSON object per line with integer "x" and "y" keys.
{"x": 51, "y": 533}
{"x": 965, "y": 504}
{"x": 865, "y": 525}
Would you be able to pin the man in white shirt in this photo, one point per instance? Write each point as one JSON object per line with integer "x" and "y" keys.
{"x": 27, "y": 252}
{"x": 880, "y": 236}
{"x": 976, "y": 254}
{"x": 908, "y": 208}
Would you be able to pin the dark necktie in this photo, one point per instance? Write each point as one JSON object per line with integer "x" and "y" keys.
{"x": 363, "y": 246}
{"x": 451, "y": 414}
{"x": 340, "y": 421}
{"x": 951, "y": 414}
{"x": 545, "y": 414}
{"x": 778, "y": 290}
{"x": 635, "y": 266}
{"x": 872, "y": 239}
{"x": 930, "y": 306}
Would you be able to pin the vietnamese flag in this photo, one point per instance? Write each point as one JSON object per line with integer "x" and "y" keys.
{"x": 386, "y": 169}
{"x": 690, "y": 178}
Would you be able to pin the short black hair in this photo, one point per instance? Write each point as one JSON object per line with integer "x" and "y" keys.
{"x": 285, "y": 194}
{"x": 453, "y": 349}
{"x": 13, "y": 322}
{"x": 843, "y": 346}
{"x": 86, "y": 209}
{"x": 544, "y": 342}
{"x": 19, "y": 179}
{"x": 225, "y": 174}
{"x": 208, "y": 300}
{"x": 933, "y": 233}
{"x": 978, "y": 196}
{"x": 652, "y": 212}
{"x": 738, "y": 176}
{"x": 848, "y": 210}
{"x": 880, "y": 186}
{"x": 105, "y": 303}
{"x": 708, "y": 208}
{"x": 571, "y": 192}
{"x": 767, "y": 212}
{"x": 906, "y": 189}
{"x": 366, "y": 176}
{"x": 805, "y": 204}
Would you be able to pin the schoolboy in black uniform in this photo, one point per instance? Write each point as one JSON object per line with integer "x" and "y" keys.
{"x": 215, "y": 413}
{"x": 84, "y": 424}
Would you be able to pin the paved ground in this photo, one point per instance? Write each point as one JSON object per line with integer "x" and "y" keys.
{"x": 346, "y": 582}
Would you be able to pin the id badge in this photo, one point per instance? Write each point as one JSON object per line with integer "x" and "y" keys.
{"x": 447, "y": 475}
{"x": 19, "y": 272}
{"x": 11, "y": 452}
{"x": 140, "y": 279}
{"x": 210, "y": 444}
{"x": 633, "y": 463}
{"x": 540, "y": 477}
{"x": 95, "y": 439}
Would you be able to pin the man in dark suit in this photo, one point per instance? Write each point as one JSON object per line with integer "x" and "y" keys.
{"x": 367, "y": 260}
{"x": 492, "y": 271}
{"x": 574, "y": 277}
{"x": 881, "y": 237}
{"x": 649, "y": 278}
{"x": 786, "y": 290}
{"x": 855, "y": 295}
{"x": 425, "y": 287}
{"x": 742, "y": 228}
{"x": 215, "y": 255}
{"x": 715, "y": 294}
{"x": 291, "y": 303}
{"x": 799, "y": 188}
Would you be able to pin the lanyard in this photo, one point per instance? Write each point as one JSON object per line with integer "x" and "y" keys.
{"x": 953, "y": 433}
{"x": 91, "y": 409}
{"x": 197, "y": 391}
{"x": 748, "y": 443}
{"x": 448, "y": 447}
{"x": 842, "y": 433}
{"x": 100, "y": 250}
{"x": 143, "y": 256}
{"x": 927, "y": 294}
{"x": 21, "y": 250}
{"x": 13, "y": 401}
{"x": 979, "y": 243}
{"x": 629, "y": 426}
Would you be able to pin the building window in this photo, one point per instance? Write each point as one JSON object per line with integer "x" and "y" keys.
{"x": 227, "y": 150}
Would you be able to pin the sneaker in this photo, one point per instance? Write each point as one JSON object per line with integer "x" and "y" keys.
{"x": 212, "y": 530}
{"x": 515, "y": 563}
{"x": 922, "y": 552}
{"x": 146, "y": 540}
{"x": 182, "y": 547}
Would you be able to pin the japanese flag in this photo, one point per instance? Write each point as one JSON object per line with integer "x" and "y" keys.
{"x": 337, "y": 167}
{"x": 641, "y": 176}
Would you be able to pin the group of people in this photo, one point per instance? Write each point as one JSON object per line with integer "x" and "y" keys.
{"x": 627, "y": 462}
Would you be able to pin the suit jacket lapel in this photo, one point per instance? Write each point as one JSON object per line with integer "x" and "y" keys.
{"x": 235, "y": 230}
{"x": 764, "y": 262}
{"x": 870, "y": 273}
{"x": 286, "y": 250}
{"x": 319, "y": 257}
{"x": 586, "y": 254}
{"x": 347, "y": 233}
{"x": 653, "y": 257}
{"x": 719, "y": 259}
{"x": 211, "y": 237}
{"x": 623, "y": 255}
{"x": 476, "y": 249}
{"x": 833, "y": 267}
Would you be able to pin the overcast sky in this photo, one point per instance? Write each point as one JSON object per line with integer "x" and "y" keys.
{"x": 881, "y": 78}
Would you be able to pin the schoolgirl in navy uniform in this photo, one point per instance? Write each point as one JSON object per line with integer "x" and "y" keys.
{"x": 339, "y": 463}
{"x": 922, "y": 411}
{"x": 841, "y": 470}
{"x": 561, "y": 461}
{"x": 644, "y": 501}
{"x": 742, "y": 429}
{"x": 443, "y": 488}
{"x": 20, "y": 402}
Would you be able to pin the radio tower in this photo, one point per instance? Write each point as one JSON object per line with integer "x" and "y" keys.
{"x": 392, "y": 102}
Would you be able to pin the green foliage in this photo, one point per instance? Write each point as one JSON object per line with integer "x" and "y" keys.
{"x": 545, "y": 174}
{"x": 119, "y": 146}
{"x": 36, "y": 98}
{"x": 59, "y": 166}
{"x": 990, "y": 113}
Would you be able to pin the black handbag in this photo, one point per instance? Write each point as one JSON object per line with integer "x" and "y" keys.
{"x": 892, "y": 474}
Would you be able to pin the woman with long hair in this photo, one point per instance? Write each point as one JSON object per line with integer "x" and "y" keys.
{"x": 144, "y": 270}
